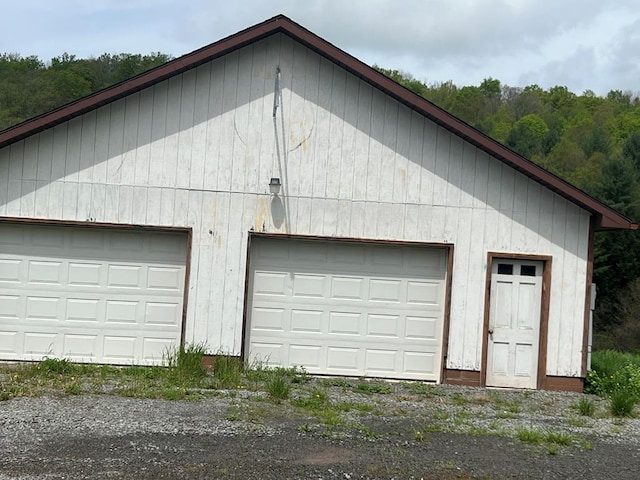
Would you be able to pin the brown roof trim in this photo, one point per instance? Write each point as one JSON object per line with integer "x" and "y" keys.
{"x": 605, "y": 216}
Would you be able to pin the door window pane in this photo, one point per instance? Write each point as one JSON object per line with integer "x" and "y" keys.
{"x": 528, "y": 270}
{"x": 505, "y": 269}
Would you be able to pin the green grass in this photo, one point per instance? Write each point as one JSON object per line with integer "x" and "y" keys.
{"x": 55, "y": 366}
{"x": 186, "y": 361}
{"x": 586, "y": 406}
{"x": 227, "y": 372}
{"x": 278, "y": 385}
{"x": 420, "y": 388}
{"x": 370, "y": 388}
{"x": 551, "y": 439}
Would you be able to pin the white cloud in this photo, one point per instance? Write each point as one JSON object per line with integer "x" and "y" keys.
{"x": 578, "y": 43}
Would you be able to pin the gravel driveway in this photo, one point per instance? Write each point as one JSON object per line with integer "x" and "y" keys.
{"x": 449, "y": 432}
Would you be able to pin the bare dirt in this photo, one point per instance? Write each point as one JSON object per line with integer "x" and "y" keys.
{"x": 455, "y": 434}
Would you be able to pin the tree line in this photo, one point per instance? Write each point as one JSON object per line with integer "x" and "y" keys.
{"x": 592, "y": 141}
{"x": 29, "y": 87}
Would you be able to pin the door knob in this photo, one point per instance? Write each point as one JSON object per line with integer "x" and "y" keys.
{"x": 490, "y": 331}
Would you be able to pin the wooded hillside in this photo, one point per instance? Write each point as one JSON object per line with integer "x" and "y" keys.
{"x": 592, "y": 141}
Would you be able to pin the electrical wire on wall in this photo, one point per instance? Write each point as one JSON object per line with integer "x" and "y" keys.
{"x": 281, "y": 150}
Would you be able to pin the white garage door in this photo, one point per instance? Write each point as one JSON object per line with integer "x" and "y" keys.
{"x": 347, "y": 308}
{"x": 90, "y": 294}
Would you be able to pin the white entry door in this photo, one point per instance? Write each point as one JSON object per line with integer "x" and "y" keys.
{"x": 514, "y": 323}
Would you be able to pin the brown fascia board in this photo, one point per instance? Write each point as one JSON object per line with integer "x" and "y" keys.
{"x": 605, "y": 216}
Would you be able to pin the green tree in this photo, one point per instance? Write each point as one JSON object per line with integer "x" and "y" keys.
{"x": 631, "y": 150}
{"x": 527, "y": 135}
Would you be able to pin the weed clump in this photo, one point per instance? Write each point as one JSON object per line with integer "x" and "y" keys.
{"x": 586, "y": 407}
{"x": 55, "y": 366}
{"x": 278, "y": 385}
{"x": 622, "y": 403}
{"x": 186, "y": 361}
{"x": 227, "y": 371}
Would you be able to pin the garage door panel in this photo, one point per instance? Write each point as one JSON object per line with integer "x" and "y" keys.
{"x": 43, "y": 308}
{"x": 383, "y": 318}
{"x": 10, "y": 306}
{"x": 267, "y": 353}
{"x": 154, "y": 349}
{"x": 419, "y": 363}
{"x": 381, "y": 290}
{"x": 343, "y": 359}
{"x": 10, "y": 270}
{"x": 345, "y": 323}
{"x": 307, "y": 356}
{"x": 420, "y": 293}
{"x": 306, "y": 253}
{"x": 122, "y": 311}
{"x": 347, "y": 254}
{"x": 265, "y": 318}
{"x": 12, "y": 236}
{"x": 79, "y": 300}
{"x": 118, "y": 349}
{"x": 83, "y": 310}
{"x": 46, "y": 237}
{"x": 162, "y": 314}
{"x": 421, "y": 328}
{"x": 39, "y": 344}
{"x": 125, "y": 243}
{"x": 124, "y": 276}
{"x": 307, "y": 321}
{"x": 270, "y": 283}
{"x": 9, "y": 342}
{"x": 87, "y": 239}
{"x": 347, "y": 288}
{"x": 85, "y": 274}
{"x": 80, "y": 346}
{"x": 305, "y": 285}
{"x": 165, "y": 278}
{"x": 383, "y": 326}
{"x": 426, "y": 260}
{"x": 47, "y": 272}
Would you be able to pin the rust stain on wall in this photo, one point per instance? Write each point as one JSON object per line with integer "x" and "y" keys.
{"x": 263, "y": 212}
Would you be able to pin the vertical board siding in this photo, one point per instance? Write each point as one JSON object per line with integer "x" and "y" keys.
{"x": 198, "y": 151}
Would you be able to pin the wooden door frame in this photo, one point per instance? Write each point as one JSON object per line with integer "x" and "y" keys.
{"x": 544, "y": 312}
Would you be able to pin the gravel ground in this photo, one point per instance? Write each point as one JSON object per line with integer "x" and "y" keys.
{"x": 442, "y": 432}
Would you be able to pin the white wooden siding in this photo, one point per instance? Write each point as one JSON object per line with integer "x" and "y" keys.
{"x": 198, "y": 150}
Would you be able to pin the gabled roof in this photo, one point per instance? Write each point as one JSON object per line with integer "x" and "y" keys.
{"x": 605, "y": 216}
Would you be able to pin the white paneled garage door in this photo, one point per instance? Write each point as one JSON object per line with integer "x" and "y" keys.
{"x": 347, "y": 308}
{"x": 90, "y": 294}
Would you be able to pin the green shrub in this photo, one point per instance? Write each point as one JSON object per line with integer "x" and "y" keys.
{"x": 622, "y": 403}
{"x": 613, "y": 371}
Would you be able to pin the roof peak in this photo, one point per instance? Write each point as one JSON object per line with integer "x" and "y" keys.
{"x": 605, "y": 216}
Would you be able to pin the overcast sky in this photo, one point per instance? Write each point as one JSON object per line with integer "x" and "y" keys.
{"x": 581, "y": 44}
